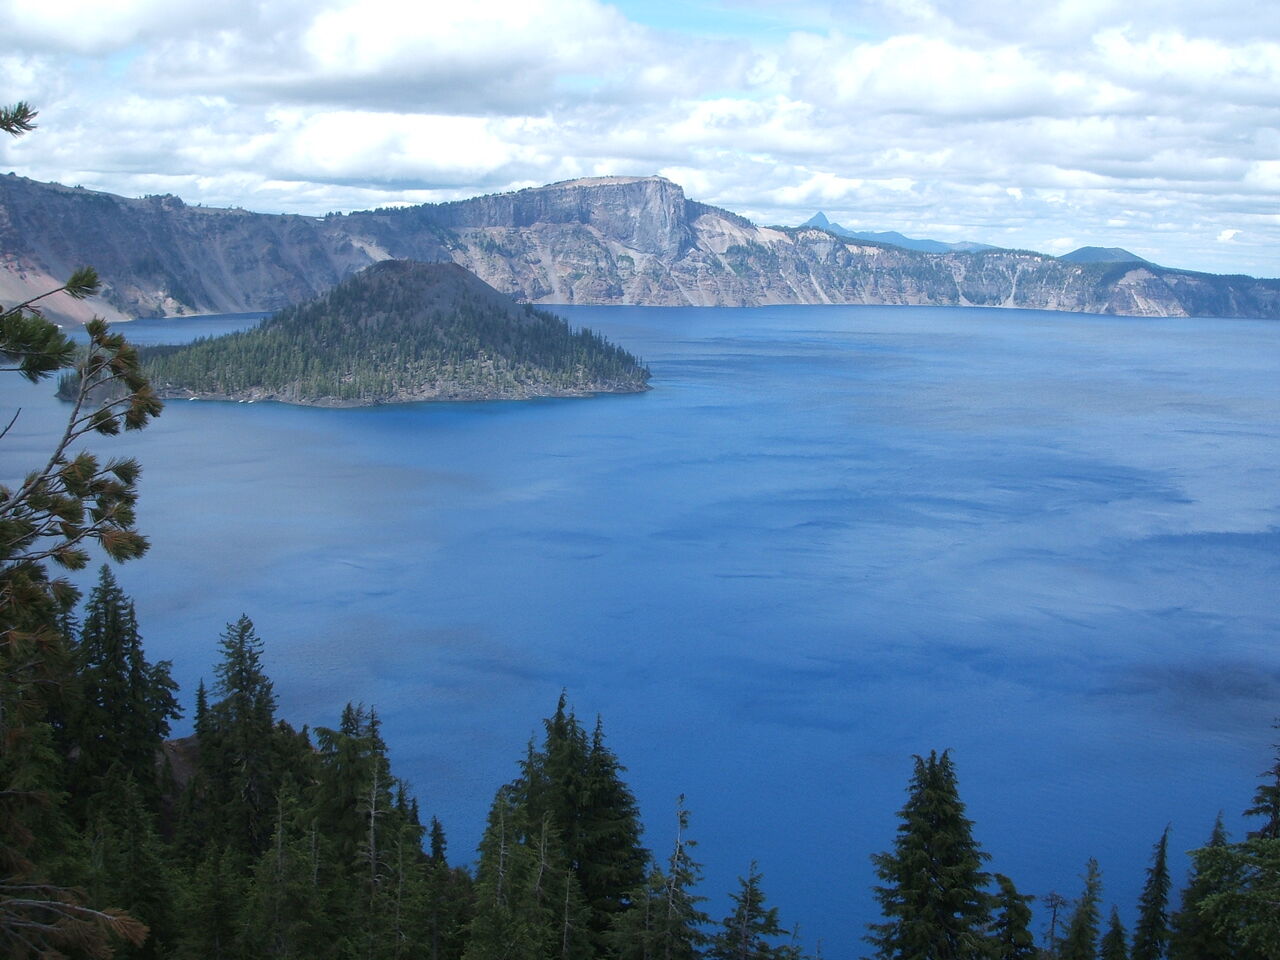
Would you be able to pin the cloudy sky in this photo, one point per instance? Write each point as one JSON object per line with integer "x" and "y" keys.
{"x": 1148, "y": 124}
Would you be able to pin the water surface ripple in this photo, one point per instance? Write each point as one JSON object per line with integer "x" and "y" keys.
{"x": 828, "y": 539}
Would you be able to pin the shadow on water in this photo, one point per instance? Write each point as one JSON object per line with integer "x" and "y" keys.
{"x": 828, "y": 539}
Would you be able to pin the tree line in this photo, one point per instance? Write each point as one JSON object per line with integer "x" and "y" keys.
{"x": 255, "y": 838}
{"x": 939, "y": 903}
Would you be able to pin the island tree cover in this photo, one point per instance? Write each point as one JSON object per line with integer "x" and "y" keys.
{"x": 400, "y": 331}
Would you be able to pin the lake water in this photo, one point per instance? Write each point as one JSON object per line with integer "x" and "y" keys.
{"x": 829, "y": 538}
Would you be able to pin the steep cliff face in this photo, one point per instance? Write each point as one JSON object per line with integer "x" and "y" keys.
{"x": 158, "y": 256}
{"x": 606, "y": 240}
{"x": 645, "y": 214}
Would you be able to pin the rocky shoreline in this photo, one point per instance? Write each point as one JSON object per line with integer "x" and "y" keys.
{"x": 457, "y": 393}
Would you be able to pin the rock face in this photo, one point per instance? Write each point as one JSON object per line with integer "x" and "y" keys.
{"x": 606, "y": 240}
{"x": 158, "y": 256}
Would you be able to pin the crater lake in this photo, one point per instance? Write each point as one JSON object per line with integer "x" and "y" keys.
{"x": 829, "y": 538}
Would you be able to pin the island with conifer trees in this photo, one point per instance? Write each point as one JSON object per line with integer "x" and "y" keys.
{"x": 398, "y": 332}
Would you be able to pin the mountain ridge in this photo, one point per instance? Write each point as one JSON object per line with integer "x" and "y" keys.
{"x": 601, "y": 240}
{"x": 896, "y": 239}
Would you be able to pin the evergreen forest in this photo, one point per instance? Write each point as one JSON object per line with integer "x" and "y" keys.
{"x": 255, "y": 838}
{"x": 399, "y": 331}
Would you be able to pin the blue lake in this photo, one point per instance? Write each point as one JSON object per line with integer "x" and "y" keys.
{"x": 829, "y": 538}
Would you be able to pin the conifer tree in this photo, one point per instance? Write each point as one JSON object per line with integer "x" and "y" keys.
{"x": 1010, "y": 931}
{"x": 612, "y": 860}
{"x": 635, "y": 934}
{"x": 681, "y": 922}
{"x": 377, "y": 873}
{"x": 439, "y": 845}
{"x": 211, "y": 907}
{"x": 752, "y": 931}
{"x": 405, "y": 891}
{"x": 1240, "y": 882}
{"x": 127, "y": 865}
{"x": 50, "y": 518}
{"x": 1198, "y": 933}
{"x": 931, "y": 890}
{"x": 574, "y": 785}
{"x": 1236, "y": 887}
{"x": 449, "y": 901}
{"x": 1266, "y": 799}
{"x": 121, "y": 713}
{"x": 528, "y": 904}
{"x": 287, "y": 915}
{"x": 1241, "y": 888}
{"x": 1055, "y": 903}
{"x": 238, "y": 748}
{"x": 1113, "y": 941}
{"x": 1151, "y": 935}
{"x": 353, "y": 792}
{"x": 1081, "y": 941}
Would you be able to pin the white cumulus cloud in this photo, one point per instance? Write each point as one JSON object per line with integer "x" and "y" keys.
{"x": 1148, "y": 125}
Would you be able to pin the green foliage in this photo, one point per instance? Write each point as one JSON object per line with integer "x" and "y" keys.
{"x": 666, "y": 920}
{"x": 287, "y": 904}
{"x": 128, "y": 866}
{"x": 1266, "y": 800}
{"x": 1201, "y": 928}
{"x": 61, "y": 507}
{"x": 528, "y": 902}
{"x": 1010, "y": 930}
{"x": 400, "y": 331}
{"x": 681, "y": 926}
{"x": 571, "y": 808}
{"x": 636, "y": 933}
{"x": 751, "y": 932}
{"x": 238, "y": 745}
{"x": 1113, "y": 945}
{"x": 1229, "y": 908}
{"x": 17, "y": 119}
{"x": 1229, "y": 905}
{"x": 1081, "y": 941}
{"x": 121, "y": 713}
{"x": 210, "y": 907}
{"x": 931, "y": 890}
{"x": 1151, "y": 935}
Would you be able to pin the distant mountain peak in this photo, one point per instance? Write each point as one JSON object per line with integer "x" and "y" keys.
{"x": 1102, "y": 255}
{"x": 820, "y": 221}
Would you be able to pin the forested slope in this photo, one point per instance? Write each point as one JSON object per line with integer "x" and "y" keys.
{"x": 399, "y": 331}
